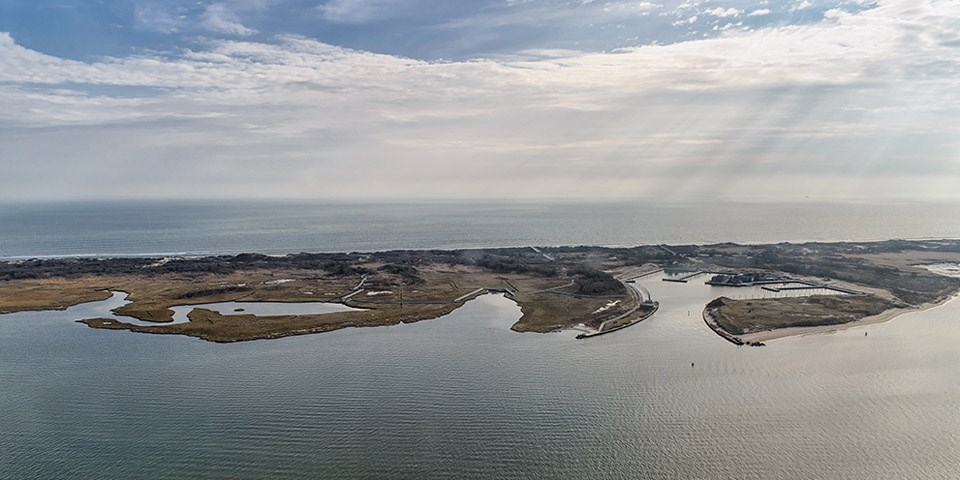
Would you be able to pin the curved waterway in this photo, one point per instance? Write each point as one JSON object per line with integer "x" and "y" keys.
{"x": 465, "y": 397}
{"x": 104, "y": 309}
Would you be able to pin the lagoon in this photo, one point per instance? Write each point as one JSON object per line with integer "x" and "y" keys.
{"x": 105, "y": 309}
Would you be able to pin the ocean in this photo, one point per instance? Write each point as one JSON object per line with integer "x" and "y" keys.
{"x": 204, "y": 228}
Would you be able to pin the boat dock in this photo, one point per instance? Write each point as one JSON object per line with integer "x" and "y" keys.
{"x": 689, "y": 275}
{"x": 682, "y": 279}
{"x": 811, "y": 286}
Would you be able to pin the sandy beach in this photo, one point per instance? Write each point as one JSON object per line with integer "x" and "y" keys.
{"x": 871, "y": 320}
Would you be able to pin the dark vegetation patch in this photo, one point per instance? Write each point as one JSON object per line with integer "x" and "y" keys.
{"x": 209, "y": 292}
{"x": 595, "y": 282}
{"x": 408, "y": 273}
{"x": 506, "y": 264}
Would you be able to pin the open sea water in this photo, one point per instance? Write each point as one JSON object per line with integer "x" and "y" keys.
{"x": 168, "y": 228}
{"x": 463, "y": 396}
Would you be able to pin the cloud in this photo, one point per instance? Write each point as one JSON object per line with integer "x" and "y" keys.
{"x": 540, "y": 13}
{"x": 354, "y": 11}
{"x": 150, "y": 15}
{"x": 183, "y": 17}
{"x": 219, "y": 18}
{"x": 721, "y": 12}
{"x": 759, "y": 12}
{"x": 867, "y": 99}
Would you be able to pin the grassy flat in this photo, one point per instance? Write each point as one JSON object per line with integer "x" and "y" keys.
{"x": 748, "y": 316}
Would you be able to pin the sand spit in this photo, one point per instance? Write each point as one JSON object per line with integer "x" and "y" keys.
{"x": 821, "y": 329}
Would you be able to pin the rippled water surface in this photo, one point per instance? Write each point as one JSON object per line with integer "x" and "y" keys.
{"x": 465, "y": 397}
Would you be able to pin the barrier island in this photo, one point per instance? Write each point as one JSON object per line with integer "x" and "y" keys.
{"x": 591, "y": 289}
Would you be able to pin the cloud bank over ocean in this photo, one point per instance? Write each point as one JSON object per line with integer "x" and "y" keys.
{"x": 232, "y": 99}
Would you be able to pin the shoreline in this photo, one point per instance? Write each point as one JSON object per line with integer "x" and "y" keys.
{"x": 585, "y": 335}
{"x": 556, "y": 287}
{"x": 650, "y": 242}
{"x": 886, "y": 316}
{"x": 710, "y": 319}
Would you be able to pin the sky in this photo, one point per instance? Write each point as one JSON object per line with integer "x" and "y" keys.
{"x": 370, "y": 100}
